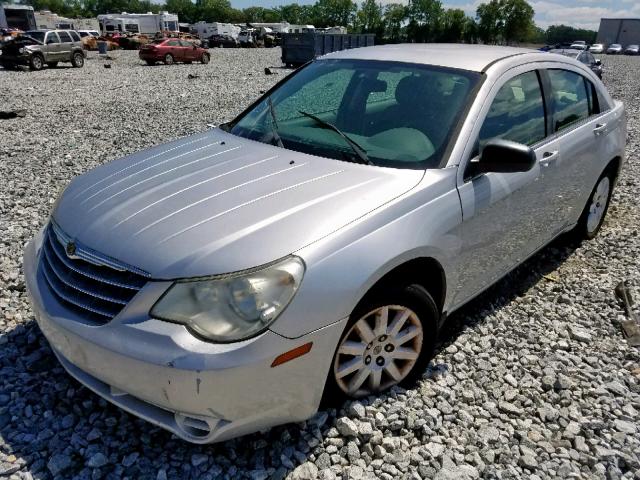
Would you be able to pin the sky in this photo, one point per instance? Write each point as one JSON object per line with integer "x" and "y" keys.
{"x": 577, "y": 13}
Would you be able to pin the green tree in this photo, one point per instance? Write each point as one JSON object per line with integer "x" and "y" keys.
{"x": 395, "y": 15}
{"x": 213, "y": 10}
{"x": 331, "y": 13}
{"x": 370, "y": 18}
{"x": 185, "y": 9}
{"x": 452, "y": 25}
{"x": 490, "y": 21}
{"x": 424, "y": 17}
{"x": 518, "y": 20}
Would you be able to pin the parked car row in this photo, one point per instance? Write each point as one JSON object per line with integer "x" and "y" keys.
{"x": 583, "y": 56}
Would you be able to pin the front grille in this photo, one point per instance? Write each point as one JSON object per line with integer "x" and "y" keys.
{"x": 96, "y": 292}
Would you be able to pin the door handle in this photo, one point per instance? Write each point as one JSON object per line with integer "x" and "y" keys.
{"x": 548, "y": 157}
{"x": 600, "y": 128}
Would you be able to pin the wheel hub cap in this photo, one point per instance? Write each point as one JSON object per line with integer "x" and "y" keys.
{"x": 379, "y": 351}
{"x": 598, "y": 204}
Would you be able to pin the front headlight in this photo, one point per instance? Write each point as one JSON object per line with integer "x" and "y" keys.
{"x": 232, "y": 307}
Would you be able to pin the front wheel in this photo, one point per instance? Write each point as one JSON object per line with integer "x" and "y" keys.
{"x": 205, "y": 58}
{"x": 595, "y": 211}
{"x": 168, "y": 59}
{"x": 388, "y": 341}
{"x": 77, "y": 60}
{"x": 36, "y": 63}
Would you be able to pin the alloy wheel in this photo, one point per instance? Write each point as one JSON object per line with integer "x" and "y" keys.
{"x": 379, "y": 351}
{"x": 598, "y": 204}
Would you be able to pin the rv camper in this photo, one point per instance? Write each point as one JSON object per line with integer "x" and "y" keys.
{"x": 20, "y": 17}
{"x": 146, "y": 23}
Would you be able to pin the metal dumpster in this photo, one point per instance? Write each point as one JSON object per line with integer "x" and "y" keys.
{"x": 299, "y": 48}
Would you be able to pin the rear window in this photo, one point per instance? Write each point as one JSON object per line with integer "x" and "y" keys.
{"x": 571, "y": 103}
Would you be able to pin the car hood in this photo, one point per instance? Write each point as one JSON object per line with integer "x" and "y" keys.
{"x": 215, "y": 203}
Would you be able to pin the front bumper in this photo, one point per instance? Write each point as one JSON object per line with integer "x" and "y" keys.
{"x": 200, "y": 391}
{"x": 14, "y": 59}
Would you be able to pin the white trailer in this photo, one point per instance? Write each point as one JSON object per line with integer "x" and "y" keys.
{"x": 145, "y": 23}
{"x": 204, "y": 30}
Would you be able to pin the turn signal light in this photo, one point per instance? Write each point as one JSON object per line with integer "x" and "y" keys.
{"x": 291, "y": 354}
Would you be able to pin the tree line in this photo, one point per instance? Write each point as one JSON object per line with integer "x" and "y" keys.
{"x": 496, "y": 22}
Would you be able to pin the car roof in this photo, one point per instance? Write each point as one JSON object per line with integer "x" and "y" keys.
{"x": 467, "y": 57}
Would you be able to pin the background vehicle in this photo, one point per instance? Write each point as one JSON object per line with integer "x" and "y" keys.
{"x": 632, "y": 50}
{"x": 596, "y": 48}
{"x": 579, "y": 45}
{"x": 145, "y": 23}
{"x": 21, "y": 17}
{"x": 171, "y": 50}
{"x": 86, "y": 33}
{"x": 225, "y": 41}
{"x": 584, "y": 57}
{"x": 614, "y": 49}
{"x": 50, "y": 48}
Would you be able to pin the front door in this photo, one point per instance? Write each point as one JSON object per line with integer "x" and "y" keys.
{"x": 505, "y": 214}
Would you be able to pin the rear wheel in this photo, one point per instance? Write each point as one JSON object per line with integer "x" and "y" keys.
{"x": 388, "y": 341}
{"x": 205, "y": 58}
{"x": 52, "y": 64}
{"x": 168, "y": 59}
{"x": 596, "y": 208}
{"x": 36, "y": 62}
{"x": 77, "y": 60}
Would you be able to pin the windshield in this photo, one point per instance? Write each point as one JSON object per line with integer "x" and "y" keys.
{"x": 400, "y": 115}
{"x": 36, "y": 35}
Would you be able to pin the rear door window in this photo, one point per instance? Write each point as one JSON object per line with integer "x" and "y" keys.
{"x": 64, "y": 37}
{"x": 75, "y": 36}
{"x": 570, "y": 100}
{"x": 517, "y": 112}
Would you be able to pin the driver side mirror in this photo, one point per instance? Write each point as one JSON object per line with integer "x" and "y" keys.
{"x": 598, "y": 62}
{"x": 503, "y": 156}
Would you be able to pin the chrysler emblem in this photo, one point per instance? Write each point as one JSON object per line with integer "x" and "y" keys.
{"x": 70, "y": 249}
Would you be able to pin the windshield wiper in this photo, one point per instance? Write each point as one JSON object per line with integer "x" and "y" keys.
{"x": 358, "y": 150}
{"x": 274, "y": 125}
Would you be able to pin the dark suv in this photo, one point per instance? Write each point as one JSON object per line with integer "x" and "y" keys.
{"x": 37, "y": 48}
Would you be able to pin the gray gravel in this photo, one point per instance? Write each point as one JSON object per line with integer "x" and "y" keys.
{"x": 533, "y": 379}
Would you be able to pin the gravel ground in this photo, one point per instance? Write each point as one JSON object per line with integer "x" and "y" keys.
{"x": 533, "y": 379}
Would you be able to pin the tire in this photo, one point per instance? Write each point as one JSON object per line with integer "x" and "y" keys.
{"x": 77, "y": 60}
{"x": 595, "y": 210}
{"x": 206, "y": 58}
{"x": 168, "y": 59}
{"x": 36, "y": 62}
{"x": 52, "y": 64}
{"x": 151, "y": 63}
{"x": 391, "y": 357}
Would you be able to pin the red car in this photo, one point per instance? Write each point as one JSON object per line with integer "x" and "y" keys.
{"x": 170, "y": 50}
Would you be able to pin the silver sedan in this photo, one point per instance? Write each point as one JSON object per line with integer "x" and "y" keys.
{"x": 313, "y": 246}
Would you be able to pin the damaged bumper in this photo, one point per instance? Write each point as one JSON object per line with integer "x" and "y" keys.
{"x": 201, "y": 391}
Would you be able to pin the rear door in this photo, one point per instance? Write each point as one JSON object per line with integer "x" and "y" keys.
{"x": 505, "y": 215}
{"x": 580, "y": 126}
{"x": 66, "y": 45}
